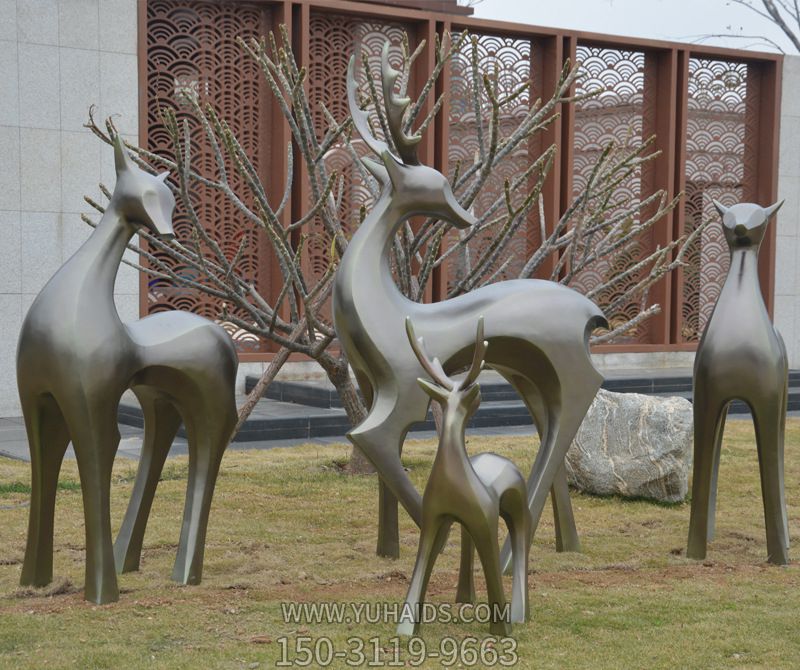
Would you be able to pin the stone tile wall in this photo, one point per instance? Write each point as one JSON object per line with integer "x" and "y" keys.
{"x": 787, "y": 250}
{"x": 57, "y": 57}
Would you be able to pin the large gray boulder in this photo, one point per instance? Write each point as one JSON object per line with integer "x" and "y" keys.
{"x": 633, "y": 445}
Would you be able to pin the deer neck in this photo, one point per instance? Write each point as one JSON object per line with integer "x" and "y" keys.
{"x": 451, "y": 456}
{"x": 742, "y": 282}
{"x": 91, "y": 272}
{"x": 365, "y": 274}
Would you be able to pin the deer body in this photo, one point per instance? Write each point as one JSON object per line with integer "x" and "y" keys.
{"x": 741, "y": 356}
{"x": 475, "y": 492}
{"x": 539, "y": 331}
{"x": 76, "y": 358}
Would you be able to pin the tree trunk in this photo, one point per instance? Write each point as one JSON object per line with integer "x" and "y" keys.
{"x": 266, "y": 377}
{"x": 339, "y": 375}
{"x": 258, "y": 390}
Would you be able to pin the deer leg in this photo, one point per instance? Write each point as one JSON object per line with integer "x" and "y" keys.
{"x": 161, "y": 423}
{"x": 769, "y": 417}
{"x": 388, "y": 529}
{"x": 709, "y": 421}
{"x": 485, "y": 538}
{"x": 516, "y": 515}
{"x": 784, "y": 403}
{"x": 208, "y": 433}
{"x": 561, "y": 429}
{"x": 465, "y": 592}
{"x": 566, "y": 532}
{"x": 712, "y": 494}
{"x": 429, "y": 538}
{"x": 48, "y": 438}
{"x": 95, "y": 437}
{"x": 380, "y": 437}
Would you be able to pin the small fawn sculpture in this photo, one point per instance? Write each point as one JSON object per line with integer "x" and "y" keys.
{"x": 475, "y": 491}
{"x": 539, "y": 332}
{"x": 741, "y": 356}
{"x": 75, "y": 359}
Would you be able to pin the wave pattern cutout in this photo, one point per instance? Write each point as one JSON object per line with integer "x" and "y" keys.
{"x": 715, "y": 168}
{"x": 192, "y": 51}
{"x": 615, "y": 115}
{"x": 508, "y": 61}
{"x": 333, "y": 38}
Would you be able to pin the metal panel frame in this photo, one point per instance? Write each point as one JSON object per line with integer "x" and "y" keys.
{"x": 666, "y": 93}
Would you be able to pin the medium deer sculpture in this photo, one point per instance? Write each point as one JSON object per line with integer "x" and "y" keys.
{"x": 475, "y": 491}
{"x": 538, "y": 331}
{"x": 75, "y": 359}
{"x": 741, "y": 356}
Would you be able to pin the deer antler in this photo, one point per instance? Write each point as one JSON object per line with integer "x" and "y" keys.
{"x": 395, "y": 110}
{"x": 395, "y": 107}
{"x": 477, "y": 357}
{"x": 360, "y": 116}
{"x": 432, "y": 367}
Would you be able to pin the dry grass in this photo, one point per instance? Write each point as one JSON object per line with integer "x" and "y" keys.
{"x": 286, "y": 527}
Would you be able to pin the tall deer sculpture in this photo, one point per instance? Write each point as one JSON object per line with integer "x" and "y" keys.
{"x": 538, "y": 331}
{"x": 475, "y": 492}
{"x": 75, "y": 359}
{"x": 741, "y": 356}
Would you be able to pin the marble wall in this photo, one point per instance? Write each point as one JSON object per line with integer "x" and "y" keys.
{"x": 57, "y": 57}
{"x": 787, "y": 251}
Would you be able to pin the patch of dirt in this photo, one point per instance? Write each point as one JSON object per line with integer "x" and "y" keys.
{"x": 16, "y": 506}
{"x": 394, "y": 575}
{"x": 742, "y": 536}
{"x": 60, "y": 588}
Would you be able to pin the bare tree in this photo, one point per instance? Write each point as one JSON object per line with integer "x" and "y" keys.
{"x": 785, "y": 14}
{"x": 597, "y": 226}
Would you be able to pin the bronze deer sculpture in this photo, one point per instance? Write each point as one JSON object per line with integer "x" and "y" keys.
{"x": 741, "y": 356}
{"x": 538, "y": 331}
{"x": 75, "y": 359}
{"x": 475, "y": 492}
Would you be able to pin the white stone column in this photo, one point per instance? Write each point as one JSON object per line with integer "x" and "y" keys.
{"x": 787, "y": 250}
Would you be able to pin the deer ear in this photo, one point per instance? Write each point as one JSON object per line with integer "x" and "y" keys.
{"x": 769, "y": 211}
{"x": 376, "y": 169}
{"x": 434, "y": 391}
{"x": 720, "y": 208}
{"x": 121, "y": 160}
{"x": 393, "y": 167}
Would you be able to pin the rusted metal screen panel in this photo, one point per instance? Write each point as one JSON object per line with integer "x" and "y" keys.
{"x": 507, "y": 62}
{"x": 191, "y": 48}
{"x": 715, "y": 169}
{"x": 192, "y": 51}
{"x": 615, "y": 116}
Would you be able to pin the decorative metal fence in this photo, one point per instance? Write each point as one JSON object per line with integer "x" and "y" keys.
{"x": 714, "y": 113}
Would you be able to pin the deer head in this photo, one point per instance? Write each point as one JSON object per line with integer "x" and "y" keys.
{"x": 459, "y": 398}
{"x": 140, "y": 198}
{"x": 419, "y": 189}
{"x": 745, "y": 224}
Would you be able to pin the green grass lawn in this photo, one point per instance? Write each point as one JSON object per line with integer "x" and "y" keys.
{"x": 286, "y": 526}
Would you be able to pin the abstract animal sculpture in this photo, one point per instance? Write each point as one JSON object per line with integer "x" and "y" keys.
{"x": 75, "y": 359}
{"x": 740, "y": 356}
{"x": 538, "y": 330}
{"x": 473, "y": 491}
